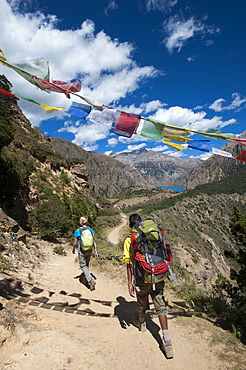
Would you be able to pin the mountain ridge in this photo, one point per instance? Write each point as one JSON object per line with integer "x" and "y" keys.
{"x": 158, "y": 169}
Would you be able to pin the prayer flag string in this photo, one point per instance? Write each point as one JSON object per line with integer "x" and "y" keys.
{"x": 37, "y": 72}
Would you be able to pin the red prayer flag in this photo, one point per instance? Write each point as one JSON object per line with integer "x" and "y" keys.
{"x": 4, "y": 92}
{"x": 242, "y": 156}
{"x": 127, "y": 122}
{"x": 59, "y": 86}
{"x": 238, "y": 140}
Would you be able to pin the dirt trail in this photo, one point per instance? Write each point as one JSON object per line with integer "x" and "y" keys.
{"x": 64, "y": 325}
{"x": 115, "y": 235}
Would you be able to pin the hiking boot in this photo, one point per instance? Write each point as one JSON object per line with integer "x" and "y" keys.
{"x": 92, "y": 284}
{"x": 168, "y": 348}
{"x": 140, "y": 325}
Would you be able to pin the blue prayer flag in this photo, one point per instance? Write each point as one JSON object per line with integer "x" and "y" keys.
{"x": 203, "y": 145}
{"x": 79, "y": 110}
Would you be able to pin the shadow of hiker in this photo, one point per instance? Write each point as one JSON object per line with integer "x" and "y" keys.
{"x": 82, "y": 279}
{"x": 154, "y": 330}
{"x": 125, "y": 311}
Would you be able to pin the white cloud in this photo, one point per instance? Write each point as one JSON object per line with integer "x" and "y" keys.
{"x": 85, "y": 135}
{"x": 159, "y": 148}
{"x": 184, "y": 117}
{"x": 179, "y": 31}
{"x": 237, "y": 102}
{"x": 144, "y": 108}
{"x": 192, "y": 58}
{"x": 152, "y": 106}
{"x": 162, "y": 5}
{"x": 108, "y": 152}
{"x": 112, "y": 5}
{"x": 203, "y": 156}
{"x": 112, "y": 142}
{"x": 72, "y": 54}
{"x": 131, "y": 148}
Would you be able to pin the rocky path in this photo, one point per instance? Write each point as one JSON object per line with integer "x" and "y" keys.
{"x": 60, "y": 324}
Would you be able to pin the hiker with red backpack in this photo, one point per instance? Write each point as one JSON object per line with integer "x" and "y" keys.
{"x": 84, "y": 240}
{"x": 149, "y": 258}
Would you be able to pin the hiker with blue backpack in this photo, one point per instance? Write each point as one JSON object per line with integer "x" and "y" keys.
{"x": 84, "y": 240}
{"x": 148, "y": 258}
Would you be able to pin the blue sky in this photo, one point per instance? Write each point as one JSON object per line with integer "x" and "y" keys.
{"x": 180, "y": 62}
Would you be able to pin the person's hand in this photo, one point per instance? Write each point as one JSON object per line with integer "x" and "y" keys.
{"x": 73, "y": 250}
{"x": 96, "y": 255}
{"x": 131, "y": 290}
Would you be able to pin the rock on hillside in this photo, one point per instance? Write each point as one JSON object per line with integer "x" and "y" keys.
{"x": 107, "y": 176}
{"x": 158, "y": 169}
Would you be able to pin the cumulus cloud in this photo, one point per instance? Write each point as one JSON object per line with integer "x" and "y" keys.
{"x": 72, "y": 54}
{"x": 112, "y": 142}
{"x": 178, "y": 31}
{"x": 86, "y": 135}
{"x": 236, "y": 103}
{"x": 184, "y": 117}
{"x": 144, "y": 108}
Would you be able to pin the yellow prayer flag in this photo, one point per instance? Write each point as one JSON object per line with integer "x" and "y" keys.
{"x": 170, "y": 132}
{"x": 2, "y": 56}
{"x": 174, "y": 145}
{"x": 49, "y": 109}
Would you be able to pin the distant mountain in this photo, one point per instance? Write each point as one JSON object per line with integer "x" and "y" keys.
{"x": 158, "y": 169}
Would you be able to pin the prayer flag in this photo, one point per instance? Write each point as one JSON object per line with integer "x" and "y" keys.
{"x": 127, "y": 122}
{"x": 169, "y": 132}
{"x": 218, "y": 136}
{"x": 150, "y": 129}
{"x": 200, "y": 145}
{"x": 238, "y": 140}
{"x": 79, "y": 110}
{"x": 49, "y": 109}
{"x": 242, "y": 156}
{"x": 221, "y": 152}
{"x": 120, "y": 133}
{"x": 31, "y": 100}
{"x": 45, "y": 107}
{"x": 58, "y": 86}
{"x": 107, "y": 117}
{"x": 27, "y": 69}
{"x": 4, "y": 92}
{"x": 174, "y": 145}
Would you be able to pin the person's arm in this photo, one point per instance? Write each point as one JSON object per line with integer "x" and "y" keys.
{"x": 131, "y": 288}
{"x": 74, "y": 245}
{"x": 95, "y": 247}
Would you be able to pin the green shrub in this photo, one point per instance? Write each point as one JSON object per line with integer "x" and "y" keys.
{"x": 10, "y": 179}
{"x": 60, "y": 250}
{"x": 64, "y": 177}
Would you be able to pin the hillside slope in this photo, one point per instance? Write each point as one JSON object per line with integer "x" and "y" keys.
{"x": 107, "y": 176}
